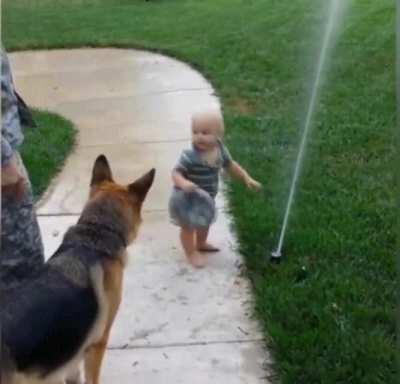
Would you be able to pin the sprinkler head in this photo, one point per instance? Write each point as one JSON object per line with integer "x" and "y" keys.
{"x": 276, "y": 257}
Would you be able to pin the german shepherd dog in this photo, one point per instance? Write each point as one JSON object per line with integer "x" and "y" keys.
{"x": 63, "y": 316}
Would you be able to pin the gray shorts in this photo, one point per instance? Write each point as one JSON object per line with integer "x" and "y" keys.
{"x": 192, "y": 209}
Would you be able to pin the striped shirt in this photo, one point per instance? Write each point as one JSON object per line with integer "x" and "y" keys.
{"x": 195, "y": 169}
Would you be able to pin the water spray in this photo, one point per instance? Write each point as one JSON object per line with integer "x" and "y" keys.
{"x": 335, "y": 13}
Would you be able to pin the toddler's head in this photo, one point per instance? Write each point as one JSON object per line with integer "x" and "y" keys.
{"x": 207, "y": 128}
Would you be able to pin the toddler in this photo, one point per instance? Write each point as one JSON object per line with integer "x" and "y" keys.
{"x": 195, "y": 179}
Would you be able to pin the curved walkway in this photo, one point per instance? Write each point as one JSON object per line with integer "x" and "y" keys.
{"x": 176, "y": 324}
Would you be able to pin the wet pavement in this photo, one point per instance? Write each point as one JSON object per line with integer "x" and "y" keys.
{"x": 175, "y": 324}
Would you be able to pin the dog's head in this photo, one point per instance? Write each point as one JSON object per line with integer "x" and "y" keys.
{"x": 126, "y": 200}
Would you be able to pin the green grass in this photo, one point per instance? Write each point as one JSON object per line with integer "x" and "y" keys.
{"x": 329, "y": 309}
{"x": 45, "y": 148}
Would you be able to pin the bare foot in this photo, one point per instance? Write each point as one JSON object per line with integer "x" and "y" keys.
{"x": 197, "y": 260}
{"x": 208, "y": 248}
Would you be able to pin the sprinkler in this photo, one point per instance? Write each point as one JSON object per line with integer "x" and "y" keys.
{"x": 337, "y": 8}
{"x": 276, "y": 256}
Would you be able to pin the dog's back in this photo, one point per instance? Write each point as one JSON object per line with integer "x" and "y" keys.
{"x": 47, "y": 321}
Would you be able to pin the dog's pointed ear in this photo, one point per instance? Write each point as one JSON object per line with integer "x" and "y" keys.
{"x": 141, "y": 186}
{"x": 101, "y": 171}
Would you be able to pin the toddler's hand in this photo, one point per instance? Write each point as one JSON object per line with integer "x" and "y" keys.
{"x": 189, "y": 186}
{"x": 253, "y": 184}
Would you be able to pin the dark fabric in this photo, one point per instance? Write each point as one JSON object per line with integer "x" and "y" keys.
{"x": 25, "y": 114}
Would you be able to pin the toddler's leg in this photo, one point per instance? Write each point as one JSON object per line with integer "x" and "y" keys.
{"x": 188, "y": 240}
{"x": 202, "y": 244}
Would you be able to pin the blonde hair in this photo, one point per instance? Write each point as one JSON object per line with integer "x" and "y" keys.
{"x": 210, "y": 117}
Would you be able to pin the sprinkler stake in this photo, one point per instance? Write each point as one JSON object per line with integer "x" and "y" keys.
{"x": 276, "y": 257}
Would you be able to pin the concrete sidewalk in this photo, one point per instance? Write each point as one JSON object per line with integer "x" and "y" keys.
{"x": 175, "y": 324}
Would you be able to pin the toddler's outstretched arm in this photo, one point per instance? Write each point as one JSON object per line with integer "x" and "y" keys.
{"x": 237, "y": 171}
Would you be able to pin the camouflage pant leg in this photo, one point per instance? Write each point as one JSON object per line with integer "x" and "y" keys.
{"x": 21, "y": 243}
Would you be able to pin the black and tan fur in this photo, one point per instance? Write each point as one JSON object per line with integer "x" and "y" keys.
{"x": 63, "y": 316}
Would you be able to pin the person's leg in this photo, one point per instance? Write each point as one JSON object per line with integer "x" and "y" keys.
{"x": 188, "y": 240}
{"x": 21, "y": 253}
{"x": 202, "y": 245}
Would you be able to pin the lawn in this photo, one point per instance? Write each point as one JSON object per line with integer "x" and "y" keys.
{"x": 329, "y": 309}
{"x": 45, "y": 148}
